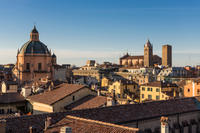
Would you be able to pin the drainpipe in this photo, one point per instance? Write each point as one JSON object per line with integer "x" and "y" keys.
{"x": 193, "y": 88}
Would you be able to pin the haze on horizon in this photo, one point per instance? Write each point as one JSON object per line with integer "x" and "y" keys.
{"x": 102, "y": 29}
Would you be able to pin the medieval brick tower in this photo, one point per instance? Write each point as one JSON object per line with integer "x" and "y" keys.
{"x": 167, "y": 55}
{"x": 148, "y": 54}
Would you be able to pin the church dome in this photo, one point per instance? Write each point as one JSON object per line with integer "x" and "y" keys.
{"x": 34, "y": 46}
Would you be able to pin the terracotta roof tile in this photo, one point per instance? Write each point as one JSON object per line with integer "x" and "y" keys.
{"x": 80, "y": 125}
{"x": 88, "y": 102}
{"x": 22, "y": 124}
{"x": 6, "y": 98}
{"x": 138, "y": 57}
{"x": 133, "y": 112}
{"x": 57, "y": 94}
{"x": 159, "y": 84}
{"x": 114, "y": 114}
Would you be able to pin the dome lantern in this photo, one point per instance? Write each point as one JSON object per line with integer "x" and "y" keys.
{"x": 34, "y": 36}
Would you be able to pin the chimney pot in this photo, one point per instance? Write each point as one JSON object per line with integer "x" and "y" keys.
{"x": 32, "y": 129}
{"x": 65, "y": 129}
{"x": 164, "y": 125}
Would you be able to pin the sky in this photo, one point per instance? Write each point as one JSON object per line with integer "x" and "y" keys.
{"x": 104, "y": 30}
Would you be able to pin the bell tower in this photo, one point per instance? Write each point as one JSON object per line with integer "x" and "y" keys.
{"x": 148, "y": 54}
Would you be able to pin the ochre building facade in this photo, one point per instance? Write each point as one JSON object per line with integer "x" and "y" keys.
{"x": 146, "y": 60}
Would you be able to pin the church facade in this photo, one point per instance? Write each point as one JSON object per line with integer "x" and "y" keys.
{"x": 34, "y": 61}
{"x": 146, "y": 60}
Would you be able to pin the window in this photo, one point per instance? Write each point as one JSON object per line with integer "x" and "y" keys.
{"x": 8, "y": 87}
{"x": 73, "y": 98}
{"x": 1, "y": 111}
{"x": 39, "y": 66}
{"x": 9, "y": 111}
{"x": 198, "y": 91}
{"x": 143, "y": 88}
{"x": 149, "y": 97}
{"x": 148, "y": 89}
{"x": 28, "y": 66}
{"x": 188, "y": 90}
{"x": 142, "y": 95}
{"x": 157, "y": 90}
{"x": 151, "y": 89}
{"x": 157, "y": 97}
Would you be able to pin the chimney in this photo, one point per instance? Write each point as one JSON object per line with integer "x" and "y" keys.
{"x": 47, "y": 122}
{"x": 51, "y": 86}
{"x": 99, "y": 92}
{"x": 164, "y": 124}
{"x": 111, "y": 101}
{"x": 3, "y": 126}
{"x": 32, "y": 129}
{"x": 65, "y": 129}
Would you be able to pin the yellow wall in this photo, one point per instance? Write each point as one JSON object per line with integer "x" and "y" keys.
{"x": 105, "y": 82}
{"x": 120, "y": 88}
{"x": 41, "y": 107}
{"x": 191, "y": 89}
{"x": 152, "y": 91}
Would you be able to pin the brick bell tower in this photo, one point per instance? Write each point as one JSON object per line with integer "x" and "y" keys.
{"x": 148, "y": 54}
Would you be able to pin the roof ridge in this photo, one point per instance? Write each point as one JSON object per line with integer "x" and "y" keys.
{"x": 103, "y": 123}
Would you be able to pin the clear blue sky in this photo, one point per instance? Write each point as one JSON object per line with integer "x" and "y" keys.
{"x": 77, "y": 30}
